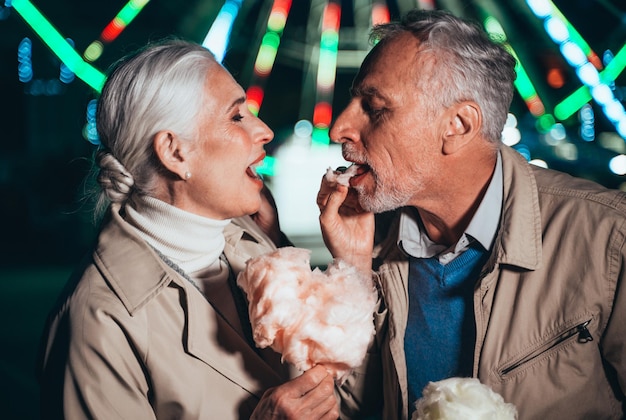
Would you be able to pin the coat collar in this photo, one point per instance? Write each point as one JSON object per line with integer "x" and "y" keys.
{"x": 209, "y": 337}
{"x": 134, "y": 284}
{"x": 119, "y": 242}
{"x": 518, "y": 242}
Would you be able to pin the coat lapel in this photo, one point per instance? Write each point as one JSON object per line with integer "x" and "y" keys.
{"x": 211, "y": 339}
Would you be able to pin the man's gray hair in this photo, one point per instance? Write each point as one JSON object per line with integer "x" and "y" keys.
{"x": 469, "y": 65}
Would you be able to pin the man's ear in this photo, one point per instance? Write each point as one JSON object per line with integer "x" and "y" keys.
{"x": 463, "y": 124}
{"x": 172, "y": 152}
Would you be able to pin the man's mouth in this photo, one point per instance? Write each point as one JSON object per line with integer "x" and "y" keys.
{"x": 359, "y": 170}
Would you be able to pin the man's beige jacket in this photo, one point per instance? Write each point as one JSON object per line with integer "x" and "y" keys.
{"x": 550, "y": 305}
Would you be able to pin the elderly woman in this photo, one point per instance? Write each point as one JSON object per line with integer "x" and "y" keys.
{"x": 153, "y": 325}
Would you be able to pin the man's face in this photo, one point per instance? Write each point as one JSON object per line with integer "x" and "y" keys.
{"x": 388, "y": 129}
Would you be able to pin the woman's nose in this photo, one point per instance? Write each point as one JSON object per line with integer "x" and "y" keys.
{"x": 265, "y": 134}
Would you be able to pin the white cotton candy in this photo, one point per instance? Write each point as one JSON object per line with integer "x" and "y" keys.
{"x": 343, "y": 178}
{"x": 310, "y": 316}
{"x": 462, "y": 398}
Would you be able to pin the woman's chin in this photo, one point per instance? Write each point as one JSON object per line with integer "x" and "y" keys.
{"x": 251, "y": 206}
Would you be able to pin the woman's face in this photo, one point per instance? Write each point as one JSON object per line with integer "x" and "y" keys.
{"x": 229, "y": 146}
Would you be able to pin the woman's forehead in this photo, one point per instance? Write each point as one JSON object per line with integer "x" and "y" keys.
{"x": 221, "y": 88}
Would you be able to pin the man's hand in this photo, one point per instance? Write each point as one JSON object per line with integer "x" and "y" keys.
{"x": 267, "y": 216}
{"x": 309, "y": 396}
{"x": 347, "y": 229}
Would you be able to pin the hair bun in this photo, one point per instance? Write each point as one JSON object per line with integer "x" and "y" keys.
{"x": 114, "y": 179}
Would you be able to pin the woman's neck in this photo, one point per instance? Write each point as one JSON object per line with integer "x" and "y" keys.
{"x": 193, "y": 242}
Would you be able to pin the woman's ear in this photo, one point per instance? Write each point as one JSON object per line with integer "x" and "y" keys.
{"x": 463, "y": 125}
{"x": 172, "y": 152}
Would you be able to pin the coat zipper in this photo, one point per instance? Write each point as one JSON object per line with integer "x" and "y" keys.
{"x": 581, "y": 330}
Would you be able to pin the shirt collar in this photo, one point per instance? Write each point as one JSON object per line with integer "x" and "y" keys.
{"x": 413, "y": 240}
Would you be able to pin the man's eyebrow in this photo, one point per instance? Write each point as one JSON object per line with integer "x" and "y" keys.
{"x": 236, "y": 103}
{"x": 367, "y": 91}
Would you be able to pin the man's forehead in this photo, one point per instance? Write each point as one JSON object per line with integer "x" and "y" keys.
{"x": 382, "y": 78}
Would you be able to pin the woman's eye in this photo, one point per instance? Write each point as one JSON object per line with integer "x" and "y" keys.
{"x": 238, "y": 117}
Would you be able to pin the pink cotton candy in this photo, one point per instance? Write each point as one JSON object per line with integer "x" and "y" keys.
{"x": 310, "y": 316}
{"x": 343, "y": 178}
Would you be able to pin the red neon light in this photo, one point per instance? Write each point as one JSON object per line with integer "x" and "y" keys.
{"x": 282, "y": 7}
{"x": 322, "y": 115}
{"x": 535, "y": 106}
{"x": 380, "y": 14}
{"x": 595, "y": 60}
{"x": 332, "y": 17}
{"x": 555, "y": 78}
{"x": 112, "y": 30}
{"x": 254, "y": 96}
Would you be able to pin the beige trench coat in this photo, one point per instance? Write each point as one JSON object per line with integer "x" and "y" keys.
{"x": 132, "y": 339}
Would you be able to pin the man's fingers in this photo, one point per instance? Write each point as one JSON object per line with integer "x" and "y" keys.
{"x": 336, "y": 198}
{"x": 326, "y": 188}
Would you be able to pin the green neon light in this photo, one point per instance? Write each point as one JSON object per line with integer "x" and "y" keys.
{"x": 59, "y": 46}
{"x": 612, "y": 70}
{"x": 567, "y": 107}
{"x": 131, "y": 10}
{"x": 329, "y": 40}
{"x": 268, "y": 166}
{"x": 522, "y": 82}
{"x": 545, "y": 123}
{"x": 267, "y": 52}
{"x": 320, "y": 137}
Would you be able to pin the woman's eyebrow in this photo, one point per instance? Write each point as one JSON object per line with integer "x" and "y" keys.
{"x": 236, "y": 103}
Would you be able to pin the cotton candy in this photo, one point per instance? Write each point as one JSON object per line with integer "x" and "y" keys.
{"x": 343, "y": 178}
{"x": 462, "y": 398}
{"x": 309, "y": 316}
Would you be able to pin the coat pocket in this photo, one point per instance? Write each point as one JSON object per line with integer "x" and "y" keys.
{"x": 579, "y": 332}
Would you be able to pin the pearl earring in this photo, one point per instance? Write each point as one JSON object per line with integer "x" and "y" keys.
{"x": 187, "y": 175}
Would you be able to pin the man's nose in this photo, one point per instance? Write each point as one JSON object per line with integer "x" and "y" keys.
{"x": 342, "y": 129}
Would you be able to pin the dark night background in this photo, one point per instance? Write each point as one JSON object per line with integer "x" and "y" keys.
{"x": 45, "y": 222}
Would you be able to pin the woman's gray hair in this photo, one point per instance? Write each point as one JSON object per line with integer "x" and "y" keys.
{"x": 468, "y": 64}
{"x": 160, "y": 87}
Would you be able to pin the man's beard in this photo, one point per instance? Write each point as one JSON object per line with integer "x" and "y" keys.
{"x": 385, "y": 196}
{"x": 382, "y": 198}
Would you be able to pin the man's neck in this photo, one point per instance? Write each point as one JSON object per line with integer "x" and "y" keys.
{"x": 446, "y": 219}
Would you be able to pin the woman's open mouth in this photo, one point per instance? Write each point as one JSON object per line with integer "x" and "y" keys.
{"x": 253, "y": 170}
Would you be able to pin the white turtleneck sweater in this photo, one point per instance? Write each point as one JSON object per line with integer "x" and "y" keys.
{"x": 194, "y": 243}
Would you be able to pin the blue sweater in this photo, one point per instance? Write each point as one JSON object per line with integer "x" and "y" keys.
{"x": 440, "y": 333}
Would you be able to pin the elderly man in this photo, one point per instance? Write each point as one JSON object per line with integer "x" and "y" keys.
{"x": 491, "y": 267}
